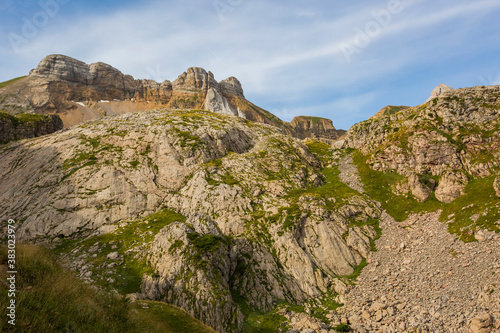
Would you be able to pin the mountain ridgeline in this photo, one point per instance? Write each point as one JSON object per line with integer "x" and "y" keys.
{"x": 186, "y": 193}
{"x": 78, "y": 92}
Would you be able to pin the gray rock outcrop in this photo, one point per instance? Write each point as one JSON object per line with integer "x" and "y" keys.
{"x": 217, "y": 103}
{"x": 455, "y": 134}
{"x": 440, "y": 90}
{"x": 451, "y": 186}
{"x": 231, "y": 87}
{"x": 195, "y": 78}
{"x": 420, "y": 191}
{"x": 241, "y": 237}
{"x": 496, "y": 186}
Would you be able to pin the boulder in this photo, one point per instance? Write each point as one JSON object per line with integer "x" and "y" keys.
{"x": 451, "y": 186}
{"x": 481, "y": 323}
{"x": 496, "y": 186}
{"x": 439, "y": 91}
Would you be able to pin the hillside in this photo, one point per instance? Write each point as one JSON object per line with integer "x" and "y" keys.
{"x": 251, "y": 229}
{"x": 209, "y": 212}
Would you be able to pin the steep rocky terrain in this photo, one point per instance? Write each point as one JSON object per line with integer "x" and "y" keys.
{"x": 24, "y": 126}
{"x": 388, "y": 110}
{"x": 423, "y": 279}
{"x": 213, "y": 213}
{"x": 315, "y": 127}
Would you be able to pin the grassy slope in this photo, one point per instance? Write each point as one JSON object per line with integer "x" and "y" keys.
{"x": 52, "y": 299}
{"x": 9, "y": 82}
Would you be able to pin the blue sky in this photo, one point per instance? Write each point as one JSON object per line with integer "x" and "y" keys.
{"x": 336, "y": 59}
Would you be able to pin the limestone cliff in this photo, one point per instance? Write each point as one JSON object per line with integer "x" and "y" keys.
{"x": 316, "y": 127}
{"x": 24, "y": 126}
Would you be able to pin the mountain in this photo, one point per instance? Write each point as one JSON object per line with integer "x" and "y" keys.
{"x": 262, "y": 226}
{"x": 78, "y": 92}
{"x": 220, "y": 211}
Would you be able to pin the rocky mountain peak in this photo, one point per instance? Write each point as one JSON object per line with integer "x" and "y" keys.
{"x": 231, "y": 86}
{"x": 440, "y": 90}
{"x": 195, "y": 78}
{"x": 58, "y": 66}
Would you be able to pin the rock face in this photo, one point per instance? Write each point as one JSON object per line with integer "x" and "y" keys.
{"x": 241, "y": 224}
{"x": 496, "y": 186}
{"x": 217, "y": 103}
{"x": 195, "y": 78}
{"x": 316, "y": 127}
{"x": 441, "y": 90}
{"x": 27, "y": 126}
{"x": 451, "y": 186}
{"x": 456, "y": 133}
{"x": 231, "y": 87}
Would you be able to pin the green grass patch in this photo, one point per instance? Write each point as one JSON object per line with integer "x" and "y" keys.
{"x": 30, "y": 117}
{"x": 320, "y": 148}
{"x": 135, "y": 164}
{"x": 161, "y": 317}
{"x": 9, "y": 82}
{"x": 259, "y": 322}
{"x": 378, "y": 184}
{"x": 342, "y": 328}
{"x": 187, "y": 139}
{"x": 27, "y": 119}
{"x": 332, "y": 188}
{"x": 82, "y": 158}
{"x": 391, "y": 109}
{"x": 205, "y": 243}
{"x": 479, "y": 193}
